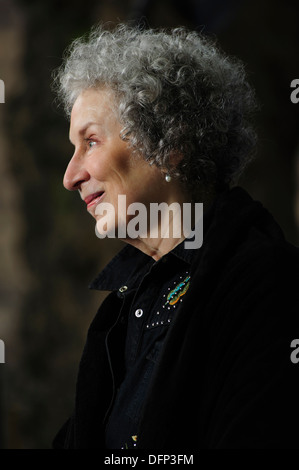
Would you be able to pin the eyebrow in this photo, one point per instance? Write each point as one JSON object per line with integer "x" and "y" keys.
{"x": 86, "y": 126}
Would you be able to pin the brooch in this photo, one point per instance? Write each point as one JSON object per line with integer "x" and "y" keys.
{"x": 175, "y": 294}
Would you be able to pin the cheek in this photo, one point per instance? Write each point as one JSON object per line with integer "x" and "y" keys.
{"x": 97, "y": 167}
{"x": 124, "y": 165}
{"x": 147, "y": 186}
{"x": 100, "y": 166}
{"x": 115, "y": 165}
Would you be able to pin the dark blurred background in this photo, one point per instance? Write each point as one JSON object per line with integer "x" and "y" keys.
{"x": 49, "y": 252}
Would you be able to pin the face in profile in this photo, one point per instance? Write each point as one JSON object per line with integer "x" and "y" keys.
{"x": 103, "y": 166}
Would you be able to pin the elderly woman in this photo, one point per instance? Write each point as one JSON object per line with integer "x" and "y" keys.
{"x": 191, "y": 348}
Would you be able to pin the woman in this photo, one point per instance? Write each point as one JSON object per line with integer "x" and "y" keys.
{"x": 191, "y": 349}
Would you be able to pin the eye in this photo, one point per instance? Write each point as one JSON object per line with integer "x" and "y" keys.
{"x": 90, "y": 143}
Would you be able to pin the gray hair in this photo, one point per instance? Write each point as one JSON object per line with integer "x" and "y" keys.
{"x": 176, "y": 93}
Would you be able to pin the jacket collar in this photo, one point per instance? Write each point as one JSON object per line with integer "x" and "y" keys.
{"x": 125, "y": 268}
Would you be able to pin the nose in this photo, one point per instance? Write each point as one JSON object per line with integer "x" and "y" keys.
{"x": 75, "y": 174}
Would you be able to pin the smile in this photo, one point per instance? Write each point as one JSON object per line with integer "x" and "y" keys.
{"x": 94, "y": 198}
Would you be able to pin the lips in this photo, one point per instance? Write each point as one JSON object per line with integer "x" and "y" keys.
{"x": 93, "y": 198}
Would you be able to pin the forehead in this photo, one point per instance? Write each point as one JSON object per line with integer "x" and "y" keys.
{"x": 92, "y": 106}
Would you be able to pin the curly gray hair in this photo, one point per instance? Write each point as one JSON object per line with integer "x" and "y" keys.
{"x": 176, "y": 93}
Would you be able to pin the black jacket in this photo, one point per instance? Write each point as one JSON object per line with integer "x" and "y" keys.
{"x": 225, "y": 378}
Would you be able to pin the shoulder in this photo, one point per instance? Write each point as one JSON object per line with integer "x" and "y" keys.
{"x": 245, "y": 265}
{"x": 242, "y": 234}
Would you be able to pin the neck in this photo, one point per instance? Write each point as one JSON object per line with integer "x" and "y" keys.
{"x": 174, "y": 225}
